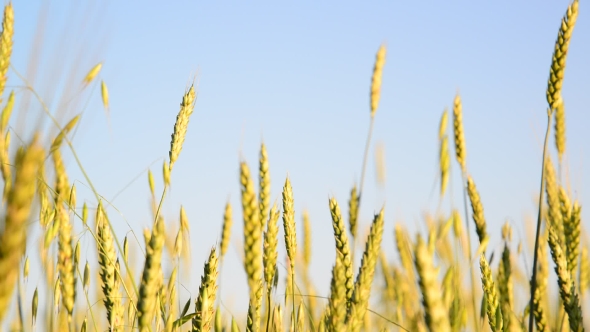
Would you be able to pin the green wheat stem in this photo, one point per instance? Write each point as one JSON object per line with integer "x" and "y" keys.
{"x": 269, "y": 311}
{"x": 367, "y": 146}
{"x": 539, "y": 215}
{"x": 293, "y": 294}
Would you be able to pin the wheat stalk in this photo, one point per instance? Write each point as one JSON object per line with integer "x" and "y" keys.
{"x": 289, "y": 222}
{"x": 560, "y": 129}
{"x": 460, "y": 149}
{"x": 477, "y": 207}
{"x": 554, "y": 214}
{"x": 107, "y": 258}
{"x": 264, "y": 182}
{"x": 572, "y": 231}
{"x": 376, "y": 80}
{"x": 180, "y": 127}
{"x": 252, "y": 230}
{"x": 353, "y": 211}
{"x": 436, "y": 314}
{"x": 271, "y": 248}
{"x": 93, "y": 73}
{"x": 362, "y": 286}
{"x": 253, "y": 319}
{"x": 290, "y": 234}
{"x": 567, "y": 289}
{"x": 342, "y": 246}
{"x": 5, "y": 143}
{"x": 6, "y": 44}
{"x": 65, "y": 251}
{"x": 148, "y": 288}
{"x": 557, "y": 69}
{"x": 225, "y": 230}
{"x": 205, "y": 301}
{"x": 270, "y": 254}
{"x": 18, "y": 209}
{"x": 104, "y": 93}
{"x": 444, "y": 164}
{"x": 553, "y": 94}
{"x": 584, "y": 271}
{"x": 541, "y": 289}
{"x": 491, "y": 296}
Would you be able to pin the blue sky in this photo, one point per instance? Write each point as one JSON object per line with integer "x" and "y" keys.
{"x": 297, "y": 76}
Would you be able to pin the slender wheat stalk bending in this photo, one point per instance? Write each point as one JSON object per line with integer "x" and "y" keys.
{"x": 461, "y": 157}
{"x": 375, "y": 96}
{"x": 553, "y": 94}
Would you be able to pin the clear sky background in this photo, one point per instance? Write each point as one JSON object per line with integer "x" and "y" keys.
{"x": 297, "y": 75}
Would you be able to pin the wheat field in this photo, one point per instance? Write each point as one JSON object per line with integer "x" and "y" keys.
{"x": 449, "y": 278}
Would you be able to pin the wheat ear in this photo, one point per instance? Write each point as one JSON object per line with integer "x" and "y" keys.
{"x": 252, "y": 230}
{"x": 271, "y": 248}
{"x": 204, "y": 305}
{"x": 560, "y": 130}
{"x": 253, "y": 319}
{"x": 554, "y": 85}
{"x": 107, "y": 257}
{"x": 342, "y": 247}
{"x": 5, "y": 144}
{"x": 493, "y": 309}
{"x": 557, "y": 70}
{"x": 270, "y": 254}
{"x": 13, "y": 237}
{"x": 376, "y": 80}
{"x": 436, "y": 314}
{"x": 225, "y": 230}
{"x": 180, "y": 127}
{"x": 565, "y": 280}
{"x": 572, "y": 231}
{"x": 541, "y": 289}
{"x": 149, "y": 280}
{"x": 6, "y": 44}
{"x": 362, "y": 286}
{"x": 477, "y": 207}
{"x": 264, "y": 183}
{"x": 65, "y": 259}
{"x": 460, "y": 149}
{"x": 290, "y": 234}
{"x": 353, "y": 205}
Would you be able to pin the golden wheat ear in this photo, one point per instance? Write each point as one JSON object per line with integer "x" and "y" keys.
{"x": 252, "y": 229}
{"x": 13, "y": 238}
